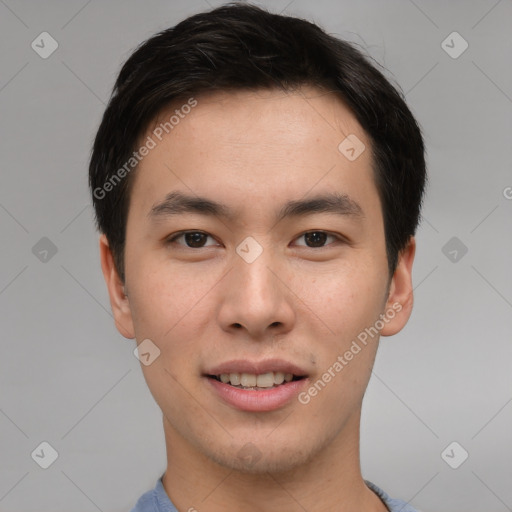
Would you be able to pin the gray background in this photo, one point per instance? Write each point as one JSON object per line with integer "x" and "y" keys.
{"x": 67, "y": 377}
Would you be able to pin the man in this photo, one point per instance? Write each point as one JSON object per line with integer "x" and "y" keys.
{"x": 257, "y": 184}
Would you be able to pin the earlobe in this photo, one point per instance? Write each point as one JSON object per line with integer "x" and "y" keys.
{"x": 400, "y": 299}
{"x": 116, "y": 289}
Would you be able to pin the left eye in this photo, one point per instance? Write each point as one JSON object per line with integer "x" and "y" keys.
{"x": 315, "y": 239}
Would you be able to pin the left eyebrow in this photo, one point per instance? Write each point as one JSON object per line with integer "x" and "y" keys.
{"x": 339, "y": 204}
{"x": 176, "y": 203}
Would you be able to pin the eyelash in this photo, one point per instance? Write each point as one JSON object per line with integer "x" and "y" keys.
{"x": 172, "y": 239}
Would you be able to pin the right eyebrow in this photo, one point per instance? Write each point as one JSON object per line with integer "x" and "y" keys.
{"x": 176, "y": 203}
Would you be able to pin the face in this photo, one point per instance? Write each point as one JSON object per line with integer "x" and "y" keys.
{"x": 255, "y": 252}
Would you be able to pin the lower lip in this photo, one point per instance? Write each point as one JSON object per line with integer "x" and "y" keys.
{"x": 258, "y": 400}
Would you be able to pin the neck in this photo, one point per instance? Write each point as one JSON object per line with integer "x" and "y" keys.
{"x": 330, "y": 481}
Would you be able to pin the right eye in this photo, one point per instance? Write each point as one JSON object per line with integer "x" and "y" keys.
{"x": 192, "y": 239}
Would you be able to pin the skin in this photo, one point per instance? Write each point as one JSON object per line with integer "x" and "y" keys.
{"x": 253, "y": 151}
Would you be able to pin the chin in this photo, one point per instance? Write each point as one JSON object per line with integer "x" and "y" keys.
{"x": 250, "y": 458}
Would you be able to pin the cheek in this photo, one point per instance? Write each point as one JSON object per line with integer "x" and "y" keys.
{"x": 346, "y": 299}
{"x": 165, "y": 297}
{"x": 347, "y": 303}
{"x": 345, "y": 355}
{"x": 167, "y": 308}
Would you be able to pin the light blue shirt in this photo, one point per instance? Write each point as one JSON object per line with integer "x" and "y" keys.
{"x": 157, "y": 500}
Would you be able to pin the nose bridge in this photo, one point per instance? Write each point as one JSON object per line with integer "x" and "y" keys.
{"x": 256, "y": 281}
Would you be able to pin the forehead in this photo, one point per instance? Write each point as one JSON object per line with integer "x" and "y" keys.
{"x": 252, "y": 145}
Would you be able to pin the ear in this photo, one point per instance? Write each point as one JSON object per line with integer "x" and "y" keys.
{"x": 119, "y": 302}
{"x": 400, "y": 297}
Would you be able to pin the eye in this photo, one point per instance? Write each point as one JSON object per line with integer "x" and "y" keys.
{"x": 198, "y": 239}
{"x": 192, "y": 239}
{"x": 316, "y": 239}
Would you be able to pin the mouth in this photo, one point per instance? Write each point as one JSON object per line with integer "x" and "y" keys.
{"x": 256, "y": 386}
{"x": 254, "y": 381}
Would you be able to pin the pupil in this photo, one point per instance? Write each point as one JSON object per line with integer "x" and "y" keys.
{"x": 194, "y": 239}
{"x": 316, "y": 238}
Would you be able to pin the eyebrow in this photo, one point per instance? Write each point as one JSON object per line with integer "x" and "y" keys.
{"x": 178, "y": 203}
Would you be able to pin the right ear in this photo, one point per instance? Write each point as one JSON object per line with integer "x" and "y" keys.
{"x": 119, "y": 302}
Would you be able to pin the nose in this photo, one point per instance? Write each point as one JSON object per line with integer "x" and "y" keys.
{"x": 255, "y": 298}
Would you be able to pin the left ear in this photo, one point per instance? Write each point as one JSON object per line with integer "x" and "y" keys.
{"x": 400, "y": 299}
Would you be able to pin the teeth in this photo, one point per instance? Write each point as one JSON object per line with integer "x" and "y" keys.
{"x": 278, "y": 378}
{"x": 234, "y": 379}
{"x": 249, "y": 380}
{"x": 265, "y": 380}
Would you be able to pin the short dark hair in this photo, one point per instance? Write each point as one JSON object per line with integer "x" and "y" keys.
{"x": 243, "y": 47}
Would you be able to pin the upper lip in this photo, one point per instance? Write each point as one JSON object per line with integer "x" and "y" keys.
{"x": 256, "y": 367}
